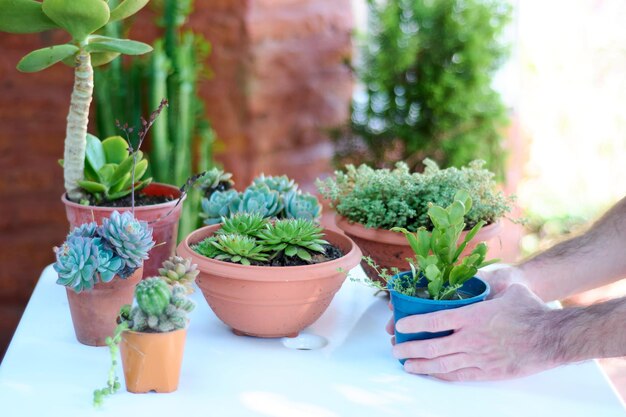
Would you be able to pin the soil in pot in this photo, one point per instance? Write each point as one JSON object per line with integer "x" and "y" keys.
{"x": 94, "y": 312}
{"x": 152, "y": 361}
{"x": 475, "y": 290}
{"x": 140, "y": 201}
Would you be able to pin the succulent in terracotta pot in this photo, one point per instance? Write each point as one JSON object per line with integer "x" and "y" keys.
{"x": 440, "y": 276}
{"x": 370, "y": 202}
{"x": 269, "y": 278}
{"x": 151, "y": 338}
{"x": 99, "y": 266}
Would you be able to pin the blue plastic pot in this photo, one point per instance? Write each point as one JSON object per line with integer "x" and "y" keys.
{"x": 404, "y": 305}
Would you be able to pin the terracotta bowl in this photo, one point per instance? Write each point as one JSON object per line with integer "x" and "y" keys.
{"x": 268, "y": 301}
{"x": 390, "y": 249}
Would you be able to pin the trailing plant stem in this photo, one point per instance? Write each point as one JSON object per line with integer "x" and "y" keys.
{"x": 77, "y": 120}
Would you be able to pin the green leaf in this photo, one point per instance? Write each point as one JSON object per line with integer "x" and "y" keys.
{"x": 434, "y": 288}
{"x": 140, "y": 169}
{"x": 458, "y": 273}
{"x": 122, "y": 46}
{"x": 475, "y": 229}
{"x": 23, "y": 16}
{"x": 94, "y": 154}
{"x": 126, "y": 9}
{"x": 92, "y": 187}
{"x": 79, "y": 18}
{"x": 303, "y": 254}
{"x": 438, "y": 216}
{"x": 432, "y": 272}
{"x": 423, "y": 238}
{"x": 122, "y": 169}
{"x": 456, "y": 213}
{"x": 490, "y": 262}
{"x": 115, "y": 149}
{"x": 291, "y": 250}
{"x": 464, "y": 197}
{"x": 101, "y": 58}
{"x": 122, "y": 185}
{"x": 413, "y": 242}
{"x": 46, "y": 57}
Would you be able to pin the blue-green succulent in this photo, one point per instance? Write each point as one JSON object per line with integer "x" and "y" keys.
{"x": 129, "y": 238}
{"x": 84, "y": 230}
{"x": 302, "y": 206}
{"x": 217, "y": 206}
{"x": 259, "y": 200}
{"x": 108, "y": 264}
{"x": 282, "y": 184}
{"x": 77, "y": 263}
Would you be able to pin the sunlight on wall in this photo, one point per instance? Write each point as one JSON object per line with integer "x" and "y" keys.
{"x": 573, "y": 105}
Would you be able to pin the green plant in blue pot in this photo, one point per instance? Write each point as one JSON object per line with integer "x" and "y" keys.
{"x": 439, "y": 279}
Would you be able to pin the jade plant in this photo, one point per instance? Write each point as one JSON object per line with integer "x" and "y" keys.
{"x": 81, "y": 20}
{"x": 438, "y": 270}
{"x": 270, "y": 196}
{"x": 159, "y": 308}
{"x": 252, "y": 239}
{"x": 388, "y": 198}
{"x": 93, "y": 254}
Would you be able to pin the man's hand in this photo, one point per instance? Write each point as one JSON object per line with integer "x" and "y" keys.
{"x": 501, "y": 278}
{"x": 494, "y": 339}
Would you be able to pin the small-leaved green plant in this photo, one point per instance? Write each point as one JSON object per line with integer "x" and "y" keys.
{"x": 438, "y": 270}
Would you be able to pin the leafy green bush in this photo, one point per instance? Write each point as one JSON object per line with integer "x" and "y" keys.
{"x": 427, "y": 70}
{"x": 384, "y": 199}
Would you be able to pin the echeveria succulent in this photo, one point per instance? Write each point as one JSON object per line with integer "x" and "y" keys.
{"x": 215, "y": 180}
{"x": 77, "y": 263}
{"x": 302, "y": 206}
{"x": 178, "y": 270}
{"x": 259, "y": 200}
{"x": 217, "y": 206}
{"x": 129, "y": 238}
{"x": 282, "y": 184}
{"x": 108, "y": 263}
{"x": 84, "y": 230}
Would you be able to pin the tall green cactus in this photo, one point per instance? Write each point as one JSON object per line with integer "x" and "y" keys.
{"x": 181, "y": 140}
{"x": 81, "y": 20}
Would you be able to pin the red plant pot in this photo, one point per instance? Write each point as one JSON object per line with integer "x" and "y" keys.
{"x": 163, "y": 219}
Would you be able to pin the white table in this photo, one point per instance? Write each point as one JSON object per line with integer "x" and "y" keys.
{"x": 46, "y": 372}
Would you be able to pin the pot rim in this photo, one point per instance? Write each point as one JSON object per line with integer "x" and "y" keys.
{"x": 394, "y": 238}
{"x": 462, "y": 302}
{"x": 155, "y": 334}
{"x": 352, "y": 256}
{"x": 166, "y": 204}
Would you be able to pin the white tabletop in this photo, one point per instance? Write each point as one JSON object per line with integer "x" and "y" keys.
{"x": 46, "y": 372}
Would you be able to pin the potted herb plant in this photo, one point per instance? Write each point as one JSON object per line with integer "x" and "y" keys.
{"x": 151, "y": 339}
{"x": 99, "y": 266}
{"x": 90, "y": 187}
{"x": 269, "y": 278}
{"x": 440, "y": 277}
{"x": 371, "y": 202}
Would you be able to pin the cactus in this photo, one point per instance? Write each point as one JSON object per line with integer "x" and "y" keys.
{"x": 259, "y": 199}
{"x": 130, "y": 239}
{"x": 177, "y": 270}
{"x": 282, "y": 184}
{"x": 302, "y": 206}
{"x": 218, "y": 206}
{"x": 152, "y": 313}
{"x": 153, "y": 295}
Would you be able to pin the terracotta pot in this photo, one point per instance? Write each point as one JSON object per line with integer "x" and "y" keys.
{"x": 163, "y": 218}
{"x": 152, "y": 361}
{"x": 94, "y": 312}
{"x": 266, "y": 301}
{"x": 390, "y": 249}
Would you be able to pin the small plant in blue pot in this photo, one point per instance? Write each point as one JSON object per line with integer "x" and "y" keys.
{"x": 439, "y": 279}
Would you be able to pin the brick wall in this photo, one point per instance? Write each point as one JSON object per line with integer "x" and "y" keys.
{"x": 279, "y": 82}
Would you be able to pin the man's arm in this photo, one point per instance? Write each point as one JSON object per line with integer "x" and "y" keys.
{"x": 595, "y": 258}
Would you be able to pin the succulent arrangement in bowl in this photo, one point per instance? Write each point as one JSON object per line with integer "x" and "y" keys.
{"x": 269, "y": 277}
{"x": 151, "y": 336}
{"x": 269, "y": 196}
{"x": 87, "y": 264}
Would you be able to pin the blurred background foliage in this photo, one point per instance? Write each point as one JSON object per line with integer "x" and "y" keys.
{"x": 181, "y": 140}
{"x": 427, "y": 70}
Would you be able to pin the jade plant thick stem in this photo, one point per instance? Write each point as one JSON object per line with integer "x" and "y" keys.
{"x": 81, "y": 20}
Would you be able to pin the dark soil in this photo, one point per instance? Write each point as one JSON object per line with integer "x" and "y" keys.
{"x": 330, "y": 253}
{"x": 140, "y": 200}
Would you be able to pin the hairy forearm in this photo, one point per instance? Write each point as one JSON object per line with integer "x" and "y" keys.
{"x": 581, "y": 333}
{"x": 587, "y": 261}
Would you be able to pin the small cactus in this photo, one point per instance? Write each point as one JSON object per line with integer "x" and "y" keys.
{"x": 153, "y": 296}
{"x": 177, "y": 270}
